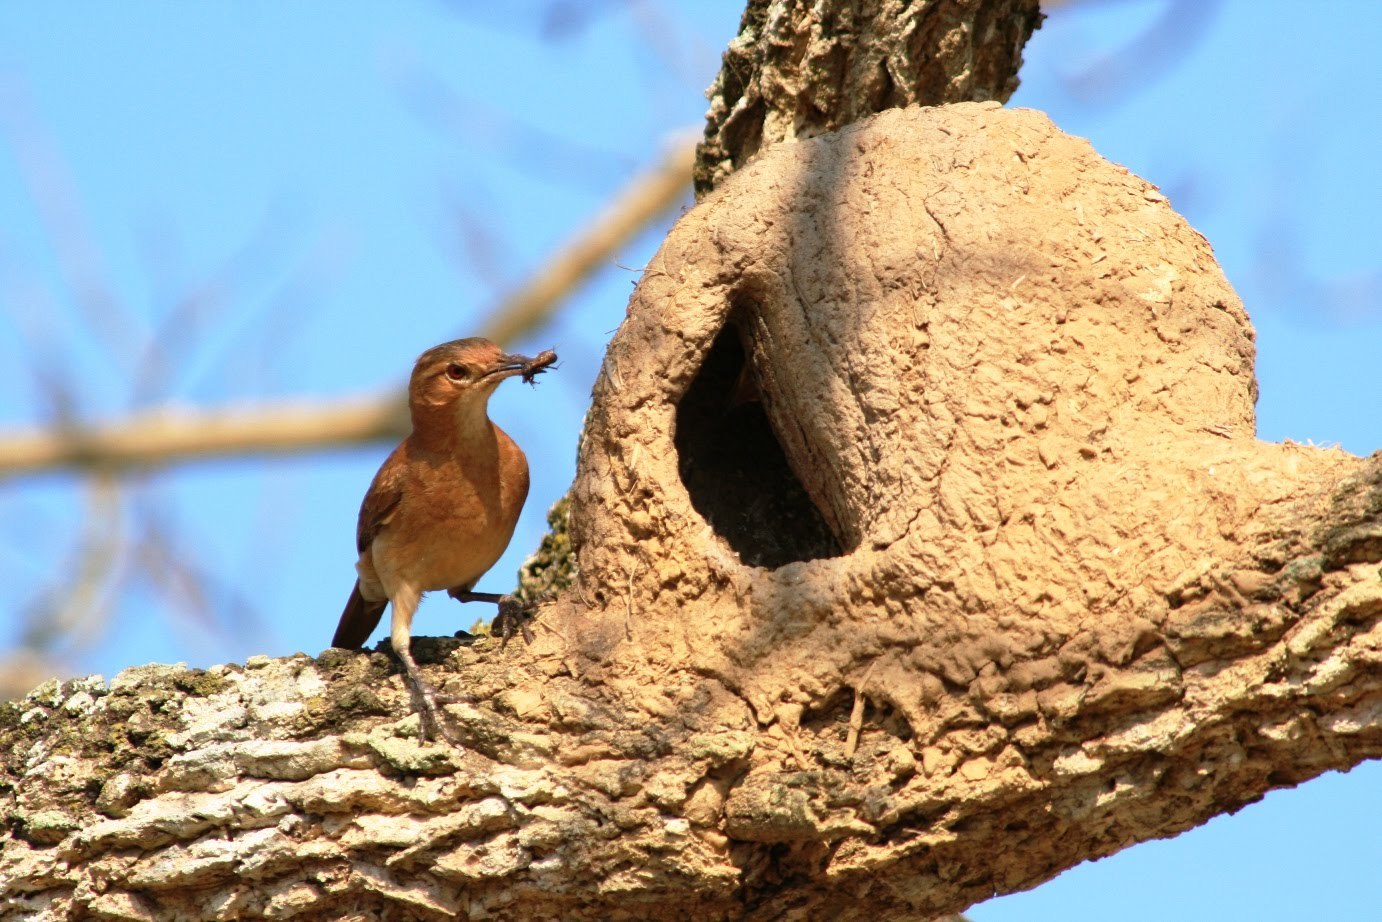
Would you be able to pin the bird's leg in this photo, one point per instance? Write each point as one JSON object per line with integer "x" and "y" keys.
{"x": 425, "y": 700}
{"x": 424, "y": 697}
{"x": 513, "y": 615}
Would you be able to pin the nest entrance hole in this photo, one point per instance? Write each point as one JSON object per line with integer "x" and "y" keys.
{"x": 735, "y": 470}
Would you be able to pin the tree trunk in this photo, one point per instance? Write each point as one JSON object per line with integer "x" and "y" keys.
{"x": 797, "y": 70}
{"x": 924, "y": 550}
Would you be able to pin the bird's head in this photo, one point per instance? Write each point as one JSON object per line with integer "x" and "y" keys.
{"x": 463, "y": 372}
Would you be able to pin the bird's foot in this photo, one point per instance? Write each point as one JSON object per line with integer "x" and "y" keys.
{"x": 512, "y": 619}
{"x": 427, "y": 703}
{"x": 514, "y": 614}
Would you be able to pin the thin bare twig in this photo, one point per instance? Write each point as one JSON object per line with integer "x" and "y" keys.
{"x": 49, "y": 179}
{"x": 76, "y": 605}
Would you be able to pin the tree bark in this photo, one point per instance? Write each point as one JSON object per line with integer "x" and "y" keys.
{"x": 1068, "y": 602}
{"x": 797, "y": 69}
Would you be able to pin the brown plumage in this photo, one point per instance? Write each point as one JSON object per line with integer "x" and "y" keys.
{"x": 444, "y": 504}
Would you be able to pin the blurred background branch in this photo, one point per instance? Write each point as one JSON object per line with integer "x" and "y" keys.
{"x": 169, "y": 435}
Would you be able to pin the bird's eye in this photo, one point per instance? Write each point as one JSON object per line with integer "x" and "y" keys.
{"x": 457, "y": 372}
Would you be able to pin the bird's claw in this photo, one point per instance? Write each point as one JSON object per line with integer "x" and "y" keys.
{"x": 427, "y": 703}
{"x": 514, "y": 614}
{"x": 512, "y": 619}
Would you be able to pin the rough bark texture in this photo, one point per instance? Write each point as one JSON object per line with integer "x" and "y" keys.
{"x": 1043, "y": 594}
{"x": 799, "y": 69}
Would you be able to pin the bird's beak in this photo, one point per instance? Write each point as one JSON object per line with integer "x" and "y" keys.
{"x": 506, "y": 367}
{"x": 515, "y": 364}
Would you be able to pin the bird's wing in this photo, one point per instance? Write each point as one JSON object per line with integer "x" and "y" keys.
{"x": 385, "y": 493}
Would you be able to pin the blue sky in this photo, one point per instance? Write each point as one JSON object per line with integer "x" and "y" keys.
{"x": 220, "y": 203}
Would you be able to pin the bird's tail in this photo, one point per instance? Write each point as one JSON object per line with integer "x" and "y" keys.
{"x": 358, "y": 621}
